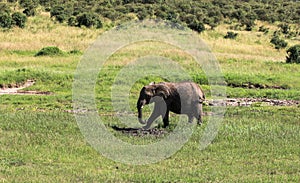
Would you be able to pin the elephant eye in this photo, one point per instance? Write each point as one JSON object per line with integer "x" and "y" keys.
{"x": 153, "y": 91}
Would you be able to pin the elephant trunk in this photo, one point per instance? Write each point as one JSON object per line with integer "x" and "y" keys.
{"x": 140, "y": 114}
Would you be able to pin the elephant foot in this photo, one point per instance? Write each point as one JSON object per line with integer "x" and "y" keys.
{"x": 199, "y": 122}
{"x": 145, "y": 127}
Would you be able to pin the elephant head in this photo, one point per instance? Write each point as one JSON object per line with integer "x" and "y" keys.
{"x": 151, "y": 93}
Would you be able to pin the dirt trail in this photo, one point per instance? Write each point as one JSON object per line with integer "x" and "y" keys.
{"x": 18, "y": 90}
{"x": 227, "y": 102}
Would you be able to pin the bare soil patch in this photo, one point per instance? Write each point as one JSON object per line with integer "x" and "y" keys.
{"x": 252, "y": 101}
{"x": 16, "y": 89}
{"x": 257, "y": 86}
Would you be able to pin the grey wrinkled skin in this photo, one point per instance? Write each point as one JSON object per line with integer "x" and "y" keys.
{"x": 180, "y": 98}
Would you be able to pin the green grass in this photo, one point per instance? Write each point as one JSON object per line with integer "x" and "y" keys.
{"x": 253, "y": 144}
{"x": 41, "y": 142}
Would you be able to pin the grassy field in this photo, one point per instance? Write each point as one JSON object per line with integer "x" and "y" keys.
{"x": 40, "y": 141}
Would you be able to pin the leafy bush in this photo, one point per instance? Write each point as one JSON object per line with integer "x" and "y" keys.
{"x": 89, "y": 20}
{"x": 49, "y": 51}
{"x": 285, "y": 28}
{"x": 293, "y": 54}
{"x": 5, "y": 20}
{"x": 196, "y": 26}
{"x": 4, "y": 8}
{"x": 263, "y": 29}
{"x": 278, "y": 43}
{"x": 29, "y": 6}
{"x": 75, "y": 52}
{"x": 19, "y": 19}
{"x": 231, "y": 35}
{"x": 72, "y": 21}
{"x": 59, "y": 13}
{"x": 30, "y": 11}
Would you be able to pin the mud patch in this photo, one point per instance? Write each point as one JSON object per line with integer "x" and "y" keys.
{"x": 141, "y": 132}
{"x": 257, "y": 86}
{"x": 252, "y": 101}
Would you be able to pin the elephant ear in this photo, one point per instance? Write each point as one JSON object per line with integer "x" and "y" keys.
{"x": 162, "y": 91}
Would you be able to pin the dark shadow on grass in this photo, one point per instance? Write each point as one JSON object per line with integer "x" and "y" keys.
{"x": 140, "y": 131}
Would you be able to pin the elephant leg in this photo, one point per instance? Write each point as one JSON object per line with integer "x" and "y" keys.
{"x": 199, "y": 119}
{"x": 155, "y": 114}
{"x": 191, "y": 117}
{"x": 199, "y": 114}
{"x": 166, "y": 119}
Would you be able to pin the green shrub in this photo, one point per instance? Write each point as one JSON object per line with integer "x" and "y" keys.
{"x": 231, "y": 35}
{"x": 30, "y": 11}
{"x": 263, "y": 29}
{"x": 89, "y": 20}
{"x": 278, "y": 43}
{"x": 59, "y": 13}
{"x": 75, "y": 52}
{"x": 50, "y": 51}
{"x": 293, "y": 54}
{"x": 196, "y": 26}
{"x": 72, "y": 21}
{"x": 19, "y": 19}
{"x": 5, "y": 20}
{"x": 285, "y": 28}
{"x": 4, "y": 8}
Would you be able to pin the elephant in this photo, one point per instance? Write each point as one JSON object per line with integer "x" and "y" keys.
{"x": 180, "y": 98}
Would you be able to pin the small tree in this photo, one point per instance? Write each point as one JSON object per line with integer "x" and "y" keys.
{"x": 19, "y": 19}
{"x": 293, "y": 54}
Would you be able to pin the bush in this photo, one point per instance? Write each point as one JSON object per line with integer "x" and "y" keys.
{"x": 75, "y": 52}
{"x": 4, "y": 8}
{"x": 49, "y": 51}
{"x": 278, "y": 43}
{"x": 231, "y": 35}
{"x": 89, "y": 20}
{"x": 263, "y": 29}
{"x": 59, "y": 13}
{"x": 196, "y": 26}
{"x": 285, "y": 28}
{"x": 30, "y": 11}
{"x": 293, "y": 54}
{"x": 5, "y": 20}
{"x": 72, "y": 21}
{"x": 19, "y": 19}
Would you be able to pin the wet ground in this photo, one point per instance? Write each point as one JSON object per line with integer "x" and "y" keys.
{"x": 141, "y": 132}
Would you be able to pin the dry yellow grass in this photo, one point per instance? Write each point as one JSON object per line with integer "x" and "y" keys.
{"x": 252, "y": 45}
{"x": 41, "y": 32}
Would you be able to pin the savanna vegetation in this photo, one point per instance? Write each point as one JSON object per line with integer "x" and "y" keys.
{"x": 45, "y": 40}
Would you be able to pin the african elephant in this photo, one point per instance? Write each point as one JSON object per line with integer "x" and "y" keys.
{"x": 180, "y": 98}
